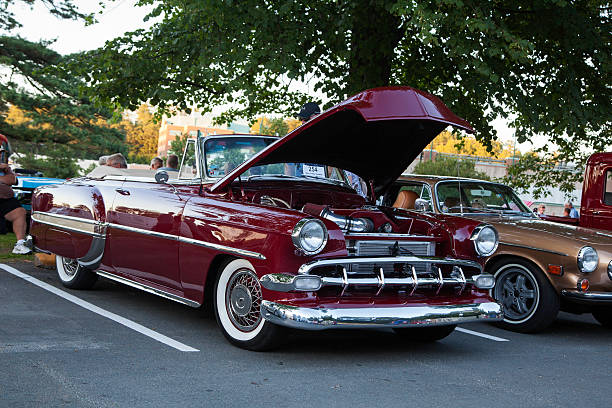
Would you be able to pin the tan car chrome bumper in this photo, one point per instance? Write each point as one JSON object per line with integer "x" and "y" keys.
{"x": 371, "y": 317}
{"x": 587, "y": 297}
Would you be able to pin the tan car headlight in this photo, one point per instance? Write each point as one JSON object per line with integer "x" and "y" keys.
{"x": 309, "y": 236}
{"x": 610, "y": 270}
{"x": 587, "y": 259}
{"x": 485, "y": 240}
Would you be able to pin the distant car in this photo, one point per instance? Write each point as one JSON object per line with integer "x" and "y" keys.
{"x": 540, "y": 267}
{"x": 27, "y": 181}
{"x": 269, "y": 231}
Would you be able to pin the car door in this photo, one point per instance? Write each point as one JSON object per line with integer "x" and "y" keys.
{"x": 603, "y": 216}
{"x": 145, "y": 225}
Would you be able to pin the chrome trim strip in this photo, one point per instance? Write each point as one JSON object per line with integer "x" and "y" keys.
{"x": 603, "y": 297}
{"x": 74, "y": 224}
{"x": 144, "y": 231}
{"x": 532, "y": 248}
{"x": 149, "y": 289}
{"x": 309, "y": 266}
{"x": 284, "y": 282}
{"x": 210, "y": 245}
{"x": 235, "y": 251}
{"x": 371, "y": 317}
{"x": 353, "y": 235}
{"x": 98, "y": 230}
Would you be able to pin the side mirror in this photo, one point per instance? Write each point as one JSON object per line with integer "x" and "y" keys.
{"x": 161, "y": 176}
{"x": 422, "y": 205}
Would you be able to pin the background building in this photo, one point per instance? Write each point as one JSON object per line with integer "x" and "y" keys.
{"x": 184, "y": 123}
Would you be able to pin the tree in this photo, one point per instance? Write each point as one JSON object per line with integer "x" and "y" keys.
{"x": 449, "y": 142}
{"x": 273, "y": 127}
{"x": 450, "y": 166}
{"x": 546, "y": 64}
{"x": 141, "y": 135}
{"x": 177, "y": 146}
{"x": 65, "y": 9}
{"x": 40, "y": 105}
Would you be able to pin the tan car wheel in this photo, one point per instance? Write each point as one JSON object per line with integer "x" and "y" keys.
{"x": 529, "y": 301}
{"x": 237, "y": 308}
{"x": 74, "y": 276}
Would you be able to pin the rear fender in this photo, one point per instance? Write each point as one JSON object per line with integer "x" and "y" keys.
{"x": 70, "y": 220}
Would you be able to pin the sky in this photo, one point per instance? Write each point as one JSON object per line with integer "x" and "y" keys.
{"x": 121, "y": 16}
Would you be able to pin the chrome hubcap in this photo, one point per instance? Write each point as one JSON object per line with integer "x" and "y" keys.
{"x": 243, "y": 300}
{"x": 71, "y": 266}
{"x": 517, "y": 291}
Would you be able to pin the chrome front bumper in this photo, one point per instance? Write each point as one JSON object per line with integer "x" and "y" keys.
{"x": 372, "y": 317}
{"x": 588, "y": 297}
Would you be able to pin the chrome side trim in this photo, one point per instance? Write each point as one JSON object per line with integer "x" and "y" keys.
{"x": 372, "y": 317}
{"x": 148, "y": 289}
{"x": 98, "y": 230}
{"x": 235, "y": 251}
{"x": 210, "y": 245}
{"x": 587, "y": 297}
{"x": 144, "y": 231}
{"x": 309, "y": 266}
{"x": 69, "y": 223}
{"x": 532, "y": 248}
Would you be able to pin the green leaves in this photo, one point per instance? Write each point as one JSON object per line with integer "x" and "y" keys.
{"x": 546, "y": 63}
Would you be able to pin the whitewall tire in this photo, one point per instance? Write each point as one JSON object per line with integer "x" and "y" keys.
{"x": 74, "y": 276}
{"x": 238, "y": 308}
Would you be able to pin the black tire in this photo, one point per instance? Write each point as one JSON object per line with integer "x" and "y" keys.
{"x": 237, "y": 300}
{"x": 425, "y": 334}
{"x": 604, "y": 317}
{"x": 74, "y": 276}
{"x": 529, "y": 301}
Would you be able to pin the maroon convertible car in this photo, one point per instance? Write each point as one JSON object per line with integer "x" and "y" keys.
{"x": 272, "y": 235}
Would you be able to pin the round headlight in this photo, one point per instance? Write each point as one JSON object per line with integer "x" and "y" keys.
{"x": 610, "y": 270}
{"x": 485, "y": 240}
{"x": 587, "y": 259}
{"x": 309, "y": 236}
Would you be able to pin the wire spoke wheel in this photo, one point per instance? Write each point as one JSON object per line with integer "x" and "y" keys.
{"x": 243, "y": 300}
{"x": 238, "y": 299}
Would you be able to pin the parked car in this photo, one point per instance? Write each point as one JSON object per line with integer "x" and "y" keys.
{"x": 596, "y": 203}
{"x": 281, "y": 240}
{"x": 540, "y": 267}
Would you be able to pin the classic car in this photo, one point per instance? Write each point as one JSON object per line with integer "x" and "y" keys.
{"x": 596, "y": 203}
{"x": 540, "y": 267}
{"x": 269, "y": 232}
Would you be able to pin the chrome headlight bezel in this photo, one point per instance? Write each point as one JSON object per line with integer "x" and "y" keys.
{"x": 581, "y": 261}
{"x": 297, "y": 235}
{"x": 610, "y": 270}
{"x": 477, "y": 236}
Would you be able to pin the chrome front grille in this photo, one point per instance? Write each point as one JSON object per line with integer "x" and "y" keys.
{"x": 389, "y": 248}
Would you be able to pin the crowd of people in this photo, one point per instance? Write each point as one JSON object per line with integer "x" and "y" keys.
{"x": 568, "y": 210}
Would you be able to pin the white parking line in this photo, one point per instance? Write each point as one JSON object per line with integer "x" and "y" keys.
{"x": 93, "y": 308}
{"x": 475, "y": 333}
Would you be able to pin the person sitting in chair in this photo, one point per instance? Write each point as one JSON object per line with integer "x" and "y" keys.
{"x": 11, "y": 210}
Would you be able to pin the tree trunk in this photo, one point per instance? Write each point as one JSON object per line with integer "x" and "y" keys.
{"x": 374, "y": 36}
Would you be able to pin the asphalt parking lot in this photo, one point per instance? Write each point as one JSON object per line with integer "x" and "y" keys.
{"x": 127, "y": 352}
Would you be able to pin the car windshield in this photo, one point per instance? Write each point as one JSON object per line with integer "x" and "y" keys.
{"x": 478, "y": 197}
{"x": 224, "y": 154}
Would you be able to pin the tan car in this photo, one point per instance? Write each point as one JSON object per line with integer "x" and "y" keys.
{"x": 540, "y": 267}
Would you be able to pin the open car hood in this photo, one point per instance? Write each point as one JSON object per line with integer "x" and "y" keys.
{"x": 375, "y": 134}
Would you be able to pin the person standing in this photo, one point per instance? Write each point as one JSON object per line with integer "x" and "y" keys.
{"x": 573, "y": 212}
{"x": 11, "y": 210}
